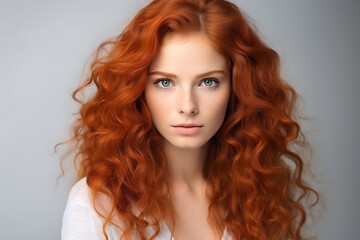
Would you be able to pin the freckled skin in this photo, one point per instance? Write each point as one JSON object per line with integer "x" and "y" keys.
{"x": 189, "y": 82}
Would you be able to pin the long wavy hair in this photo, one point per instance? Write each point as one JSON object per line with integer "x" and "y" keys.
{"x": 254, "y": 172}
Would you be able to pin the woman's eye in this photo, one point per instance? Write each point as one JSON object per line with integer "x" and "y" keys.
{"x": 209, "y": 82}
{"x": 163, "y": 83}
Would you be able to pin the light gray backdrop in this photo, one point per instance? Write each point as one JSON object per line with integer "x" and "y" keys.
{"x": 45, "y": 44}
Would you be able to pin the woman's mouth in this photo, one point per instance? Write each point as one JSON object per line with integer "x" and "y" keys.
{"x": 187, "y": 128}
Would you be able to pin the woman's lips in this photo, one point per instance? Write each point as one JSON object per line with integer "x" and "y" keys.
{"x": 187, "y": 129}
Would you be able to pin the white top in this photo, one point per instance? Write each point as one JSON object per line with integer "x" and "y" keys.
{"x": 81, "y": 222}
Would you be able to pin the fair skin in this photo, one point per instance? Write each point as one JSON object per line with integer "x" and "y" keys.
{"x": 187, "y": 94}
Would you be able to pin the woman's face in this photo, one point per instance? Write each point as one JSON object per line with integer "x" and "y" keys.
{"x": 187, "y": 90}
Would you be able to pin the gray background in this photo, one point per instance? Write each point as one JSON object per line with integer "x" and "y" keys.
{"x": 45, "y": 44}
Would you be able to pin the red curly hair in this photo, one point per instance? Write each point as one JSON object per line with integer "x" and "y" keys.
{"x": 252, "y": 168}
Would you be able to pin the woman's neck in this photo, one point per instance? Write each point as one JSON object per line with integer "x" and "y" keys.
{"x": 185, "y": 165}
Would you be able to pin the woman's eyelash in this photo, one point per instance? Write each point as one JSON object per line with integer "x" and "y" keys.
{"x": 206, "y": 82}
{"x": 209, "y": 82}
{"x": 163, "y": 82}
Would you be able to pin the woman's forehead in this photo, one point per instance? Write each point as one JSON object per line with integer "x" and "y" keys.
{"x": 188, "y": 50}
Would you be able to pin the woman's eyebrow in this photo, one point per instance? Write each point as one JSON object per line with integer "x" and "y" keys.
{"x": 165, "y": 74}
{"x": 210, "y": 73}
{"x": 171, "y": 75}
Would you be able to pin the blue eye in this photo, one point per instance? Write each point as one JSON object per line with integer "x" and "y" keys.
{"x": 209, "y": 82}
{"x": 163, "y": 83}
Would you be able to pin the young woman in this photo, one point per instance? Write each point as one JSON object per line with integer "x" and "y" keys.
{"x": 189, "y": 135}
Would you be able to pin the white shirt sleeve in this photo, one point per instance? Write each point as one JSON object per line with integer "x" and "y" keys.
{"x": 80, "y": 221}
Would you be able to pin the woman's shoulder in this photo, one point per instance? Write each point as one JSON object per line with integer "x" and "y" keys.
{"x": 80, "y": 220}
{"x": 80, "y": 194}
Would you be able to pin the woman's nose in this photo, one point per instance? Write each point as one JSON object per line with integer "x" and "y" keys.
{"x": 188, "y": 103}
